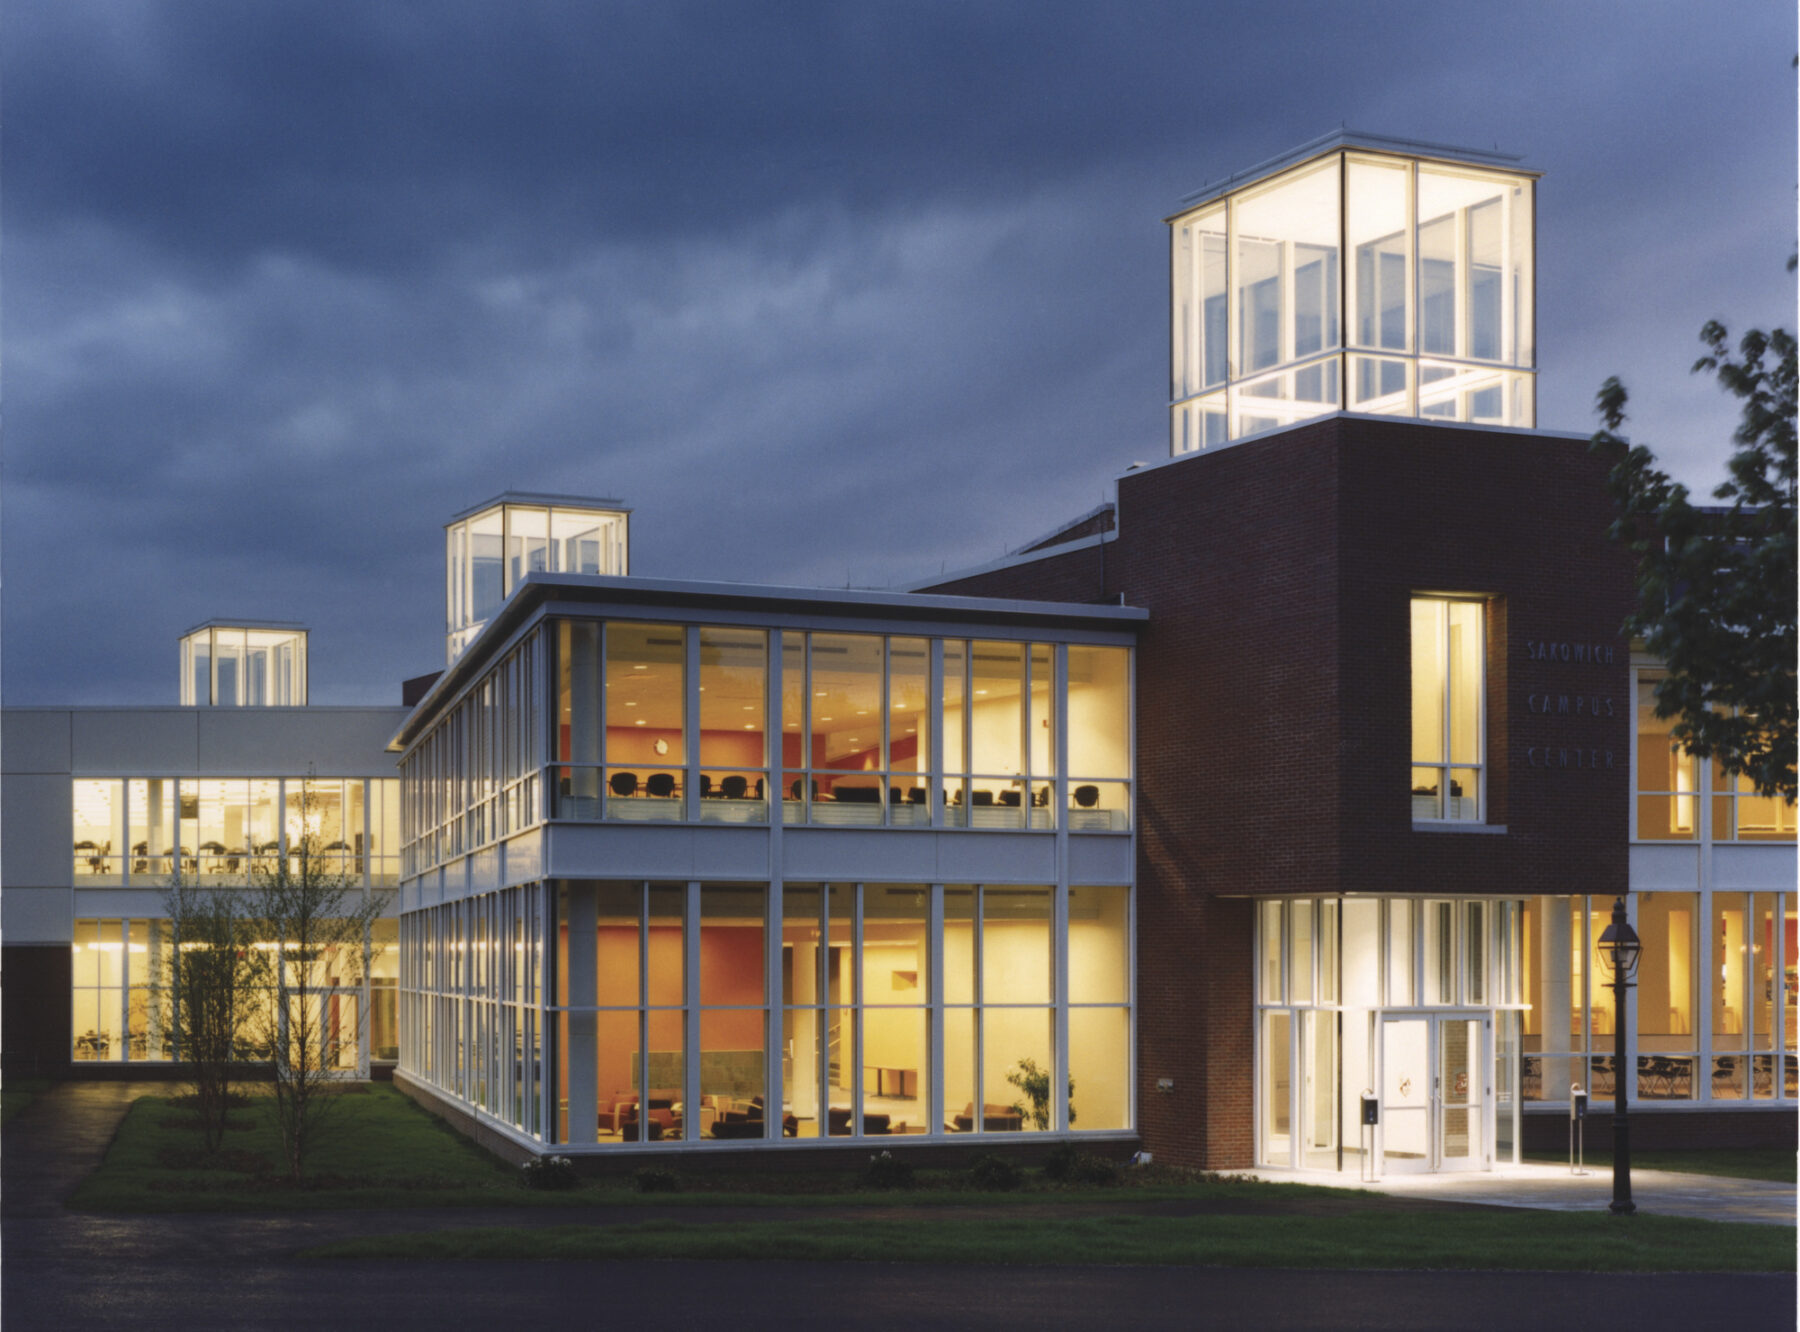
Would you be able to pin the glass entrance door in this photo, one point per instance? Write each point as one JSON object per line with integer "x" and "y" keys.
{"x": 1461, "y": 1140}
{"x": 1405, "y": 1095}
{"x": 1433, "y": 1102}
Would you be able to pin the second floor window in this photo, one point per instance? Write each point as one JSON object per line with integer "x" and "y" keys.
{"x": 1447, "y": 685}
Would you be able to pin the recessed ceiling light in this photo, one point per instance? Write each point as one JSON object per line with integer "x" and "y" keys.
{"x": 862, "y": 712}
{"x": 638, "y": 722}
{"x": 641, "y": 666}
{"x": 981, "y": 691}
{"x": 749, "y": 707}
{"x": 911, "y": 729}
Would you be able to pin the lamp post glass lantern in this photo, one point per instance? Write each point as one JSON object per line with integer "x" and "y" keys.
{"x": 1619, "y": 952}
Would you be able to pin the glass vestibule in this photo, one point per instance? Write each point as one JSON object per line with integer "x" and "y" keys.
{"x": 1432, "y": 258}
{"x": 709, "y": 1012}
{"x": 1347, "y": 989}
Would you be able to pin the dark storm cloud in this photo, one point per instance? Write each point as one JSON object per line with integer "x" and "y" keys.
{"x": 829, "y": 293}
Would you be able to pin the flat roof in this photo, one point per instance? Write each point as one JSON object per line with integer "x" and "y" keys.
{"x": 289, "y": 626}
{"x": 538, "y": 499}
{"x": 762, "y": 599}
{"x": 1492, "y": 159}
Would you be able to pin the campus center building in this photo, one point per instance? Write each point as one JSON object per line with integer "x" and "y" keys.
{"x": 1304, "y": 771}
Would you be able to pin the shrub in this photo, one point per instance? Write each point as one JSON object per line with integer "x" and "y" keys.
{"x": 548, "y": 1172}
{"x": 994, "y": 1174}
{"x": 1094, "y": 1170}
{"x": 651, "y": 1179}
{"x": 887, "y": 1171}
{"x": 1060, "y": 1162}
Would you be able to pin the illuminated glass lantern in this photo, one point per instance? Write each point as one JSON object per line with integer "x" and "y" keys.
{"x": 1358, "y": 274}
{"x": 244, "y": 664}
{"x": 489, "y": 550}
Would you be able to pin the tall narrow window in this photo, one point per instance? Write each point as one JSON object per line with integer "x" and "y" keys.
{"x": 1447, "y": 742}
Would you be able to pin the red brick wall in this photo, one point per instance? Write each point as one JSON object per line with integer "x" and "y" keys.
{"x": 1275, "y": 712}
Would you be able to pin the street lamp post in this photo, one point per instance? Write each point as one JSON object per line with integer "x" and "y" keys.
{"x": 1619, "y": 951}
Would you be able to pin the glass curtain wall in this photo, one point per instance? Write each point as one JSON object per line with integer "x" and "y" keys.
{"x": 1715, "y": 998}
{"x": 141, "y": 832}
{"x": 1433, "y": 259}
{"x": 122, "y": 1007}
{"x": 661, "y": 722}
{"x": 679, "y": 1013}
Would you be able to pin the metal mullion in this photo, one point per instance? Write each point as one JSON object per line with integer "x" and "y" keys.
{"x": 643, "y": 1012}
{"x": 937, "y": 778}
{"x": 690, "y": 993}
{"x": 856, "y": 1000}
{"x": 690, "y": 723}
{"x": 978, "y": 1012}
{"x": 934, "y": 1015}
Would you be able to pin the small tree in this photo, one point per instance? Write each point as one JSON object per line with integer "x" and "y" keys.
{"x": 210, "y": 980}
{"x": 1716, "y": 585}
{"x": 1035, "y": 1083}
{"x": 313, "y": 917}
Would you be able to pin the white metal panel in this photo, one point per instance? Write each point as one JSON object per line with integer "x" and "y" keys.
{"x": 134, "y": 742}
{"x": 34, "y": 741}
{"x": 92, "y": 902}
{"x": 979, "y": 857}
{"x": 286, "y": 742}
{"x": 603, "y": 851}
{"x": 1100, "y": 858}
{"x": 1749, "y": 867}
{"x": 37, "y": 915}
{"x": 523, "y": 858}
{"x": 871, "y": 854}
{"x": 36, "y": 833}
{"x": 1674, "y": 868}
{"x": 484, "y": 870}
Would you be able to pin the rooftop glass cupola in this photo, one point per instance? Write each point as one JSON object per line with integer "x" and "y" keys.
{"x": 1355, "y": 273}
{"x": 244, "y": 664}
{"x": 488, "y": 551}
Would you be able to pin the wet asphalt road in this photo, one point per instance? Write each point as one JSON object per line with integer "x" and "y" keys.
{"x": 66, "y": 1271}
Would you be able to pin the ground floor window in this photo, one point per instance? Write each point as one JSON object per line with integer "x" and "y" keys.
{"x": 1409, "y": 1005}
{"x": 1713, "y": 1013}
{"x": 683, "y": 1012}
{"x": 122, "y": 1004}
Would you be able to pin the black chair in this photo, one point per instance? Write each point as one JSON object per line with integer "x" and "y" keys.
{"x": 624, "y": 783}
{"x": 660, "y": 784}
{"x": 894, "y": 796}
{"x": 915, "y": 795}
{"x": 734, "y": 787}
{"x": 1010, "y": 798}
{"x": 860, "y": 795}
{"x": 795, "y": 791}
{"x": 1087, "y": 796}
{"x": 759, "y": 788}
{"x": 705, "y": 787}
{"x": 1041, "y": 796}
{"x": 981, "y": 798}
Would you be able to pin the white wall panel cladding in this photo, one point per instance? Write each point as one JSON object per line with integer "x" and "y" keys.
{"x": 36, "y": 915}
{"x": 1101, "y": 859}
{"x": 330, "y": 742}
{"x": 135, "y": 742}
{"x": 1665, "y": 868}
{"x": 35, "y": 740}
{"x": 36, "y": 822}
{"x": 1761, "y": 869}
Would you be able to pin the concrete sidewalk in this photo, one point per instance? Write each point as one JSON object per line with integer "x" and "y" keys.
{"x": 1708, "y": 1197}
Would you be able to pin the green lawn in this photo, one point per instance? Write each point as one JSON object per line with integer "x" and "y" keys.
{"x": 384, "y": 1152}
{"x": 19, "y": 1093}
{"x": 1387, "y": 1238}
{"x": 1771, "y": 1163}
